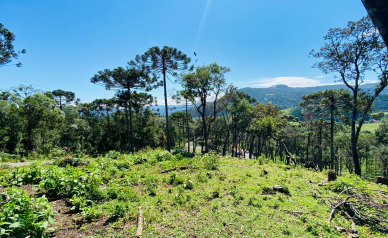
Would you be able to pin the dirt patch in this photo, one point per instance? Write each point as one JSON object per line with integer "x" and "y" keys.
{"x": 18, "y": 164}
{"x": 29, "y": 188}
{"x": 69, "y": 225}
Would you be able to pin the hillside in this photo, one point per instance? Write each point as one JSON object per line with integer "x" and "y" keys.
{"x": 288, "y": 97}
{"x": 204, "y": 196}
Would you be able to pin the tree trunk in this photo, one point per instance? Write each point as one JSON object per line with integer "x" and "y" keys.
{"x": 378, "y": 11}
{"x": 188, "y": 131}
{"x": 332, "y": 133}
{"x": 353, "y": 138}
{"x": 132, "y": 142}
{"x": 165, "y": 105}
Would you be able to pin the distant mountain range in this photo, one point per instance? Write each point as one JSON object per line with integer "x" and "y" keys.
{"x": 284, "y": 97}
{"x": 288, "y": 97}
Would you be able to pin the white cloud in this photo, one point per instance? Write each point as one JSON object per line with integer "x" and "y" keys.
{"x": 289, "y": 81}
{"x": 173, "y": 102}
{"x": 319, "y": 77}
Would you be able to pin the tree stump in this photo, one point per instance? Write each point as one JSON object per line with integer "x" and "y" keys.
{"x": 381, "y": 179}
{"x": 331, "y": 176}
{"x": 278, "y": 188}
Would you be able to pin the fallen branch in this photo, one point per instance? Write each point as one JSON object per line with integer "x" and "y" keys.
{"x": 140, "y": 218}
{"x": 174, "y": 169}
{"x": 353, "y": 230}
{"x": 337, "y": 206}
{"x": 376, "y": 190}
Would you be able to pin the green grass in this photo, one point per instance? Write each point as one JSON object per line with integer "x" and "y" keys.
{"x": 370, "y": 127}
{"x": 235, "y": 200}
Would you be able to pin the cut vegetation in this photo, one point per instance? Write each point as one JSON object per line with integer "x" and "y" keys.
{"x": 163, "y": 195}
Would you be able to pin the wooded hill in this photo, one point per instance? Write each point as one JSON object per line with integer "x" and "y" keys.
{"x": 287, "y": 97}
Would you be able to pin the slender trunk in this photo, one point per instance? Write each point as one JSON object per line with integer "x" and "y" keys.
{"x": 165, "y": 104}
{"x": 131, "y": 121}
{"x": 225, "y": 143}
{"x": 308, "y": 145}
{"x": 353, "y": 138}
{"x": 332, "y": 132}
{"x": 127, "y": 124}
{"x": 179, "y": 134}
{"x": 188, "y": 133}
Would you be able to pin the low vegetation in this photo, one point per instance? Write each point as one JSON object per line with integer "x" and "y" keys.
{"x": 181, "y": 195}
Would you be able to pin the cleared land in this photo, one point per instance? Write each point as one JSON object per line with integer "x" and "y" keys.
{"x": 204, "y": 196}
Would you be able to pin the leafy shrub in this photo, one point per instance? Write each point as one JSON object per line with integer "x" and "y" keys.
{"x": 179, "y": 198}
{"x": 236, "y": 195}
{"x": 90, "y": 213}
{"x": 118, "y": 212}
{"x": 151, "y": 189}
{"x": 23, "y": 216}
{"x": 128, "y": 194}
{"x": 66, "y": 183}
{"x": 163, "y": 156}
{"x": 183, "y": 153}
{"x": 26, "y": 175}
{"x": 175, "y": 179}
{"x": 79, "y": 203}
{"x": 345, "y": 182}
{"x": 211, "y": 161}
{"x": 188, "y": 184}
{"x": 138, "y": 159}
{"x": 70, "y": 161}
{"x": 123, "y": 164}
{"x": 202, "y": 178}
{"x": 112, "y": 154}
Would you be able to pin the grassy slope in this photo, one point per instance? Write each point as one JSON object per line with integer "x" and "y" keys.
{"x": 227, "y": 202}
{"x": 370, "y": 127}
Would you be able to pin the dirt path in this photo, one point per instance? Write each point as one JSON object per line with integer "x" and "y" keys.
{"x": 19, "y": 164}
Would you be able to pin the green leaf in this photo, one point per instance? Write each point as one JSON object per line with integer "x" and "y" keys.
{"x": 51, "y": 219}
{"x": 15, "y": 225}
{"x": 45, "y": 224}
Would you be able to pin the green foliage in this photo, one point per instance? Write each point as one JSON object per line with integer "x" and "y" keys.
{"x": 113, "y": 154}
{"x": 175, "y": 179}
{"x": 254, "y": 202}
{"x": 349, "y": 181}
{"x": 118, "y": 212}
{"x": 211, "y": 161}
{"x": 183, "y": 153}
{"x": 23, "y": 216}
{"x": 79, "y": 203}
{"x": 266, "y": 189}
{"x": 91, "y": 212}
{"x": 26, "y": 175}
{"x": 164, "y": 156}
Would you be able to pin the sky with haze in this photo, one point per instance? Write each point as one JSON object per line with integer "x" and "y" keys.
{"x": 263, "y": 42}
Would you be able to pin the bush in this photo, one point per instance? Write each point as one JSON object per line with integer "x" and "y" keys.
{"x": 343, "y": 183}
{"x": 118, "y": 212}
{"x": 90, "y": 213}
{"x": 26, "y": 175}
{"x": 188, "y": 184}
{"x": 79, "y": 203}
{"x": 163, "y": 156}
{"x": 112, "y": 154}
{"x": 211, "y": 161}
{"x": 23, "y": 216}
{"x": 183, "y": 153}
{"x": 175, "y": 179}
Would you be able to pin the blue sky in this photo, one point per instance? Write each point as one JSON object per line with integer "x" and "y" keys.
{"x": 264, "y": 42}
